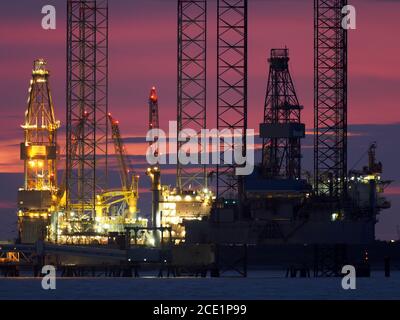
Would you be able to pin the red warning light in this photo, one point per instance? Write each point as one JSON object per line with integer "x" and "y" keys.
{"x": 153, "y": 94}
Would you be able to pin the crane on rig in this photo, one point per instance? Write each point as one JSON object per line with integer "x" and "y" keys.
{"x": 115, "y": 208}
{"x": 129, "y": 179}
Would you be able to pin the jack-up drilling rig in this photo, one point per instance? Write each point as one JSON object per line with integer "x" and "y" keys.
{"x": 279, "y": 206}
{"x": 273, "y": 205}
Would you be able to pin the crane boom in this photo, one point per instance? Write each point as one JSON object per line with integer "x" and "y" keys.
{"x": 127, "y": 173}
{"x": 129, "y": 179}
{"x": 120, "y": 153}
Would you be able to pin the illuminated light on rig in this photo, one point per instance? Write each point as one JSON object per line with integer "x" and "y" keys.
{"x": 153, "y": 95}
{"x": 188, "y": 198}
{"x": 335, "y": 216}
{"x": 151, "y": 241}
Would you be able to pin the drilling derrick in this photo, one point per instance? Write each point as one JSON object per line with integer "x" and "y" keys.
{"x": 231, "y": 88}
{"x": 282, "y": 129}
{"x": 39, "y": 153}
{"x": 330, "y": 100}
{"x": 192, "y": 85}
{"x": 87, "y": 93}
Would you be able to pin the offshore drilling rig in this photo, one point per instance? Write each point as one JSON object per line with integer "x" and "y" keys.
{"x": 276, "y": 204}
{"x": 42, "y": 202}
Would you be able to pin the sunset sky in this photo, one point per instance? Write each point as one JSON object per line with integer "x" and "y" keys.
{"x": 143, "y": 53}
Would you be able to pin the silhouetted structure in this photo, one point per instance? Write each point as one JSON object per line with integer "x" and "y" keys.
{"x": 282, "y": 129}
{"x": 330, "y": 99}
{"x": 231, "y": 88}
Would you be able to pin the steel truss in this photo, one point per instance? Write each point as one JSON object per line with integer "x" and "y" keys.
{"x": 232, "y": 88}
{"x": 330, "y": 102}
{"x": 87, "y": 97}
{"x": 192, "y": 84}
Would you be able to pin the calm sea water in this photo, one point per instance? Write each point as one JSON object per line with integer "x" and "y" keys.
{"x": 259, "y": 285}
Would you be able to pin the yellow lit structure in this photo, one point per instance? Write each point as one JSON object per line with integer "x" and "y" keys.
{"x": 116, "y": 209}
{"x": 176, "y": 207}
{"x": 42, "y": 212}
{"x": 39, "y": 151}
{"x": 170, "y": 208}
{"x": 9, "y": 257}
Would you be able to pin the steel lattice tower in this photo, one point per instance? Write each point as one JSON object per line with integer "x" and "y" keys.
{"x": 231, "y": 86}
{"x": 192, "y": 84}
{"x": 282, "y": 129}
{"x": 330, "y": 100}
{"x": 87, "y": 97}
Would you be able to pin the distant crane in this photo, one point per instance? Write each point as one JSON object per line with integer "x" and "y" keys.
{"x": 126, "y": 197}
{"x": 129, "y": 178}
